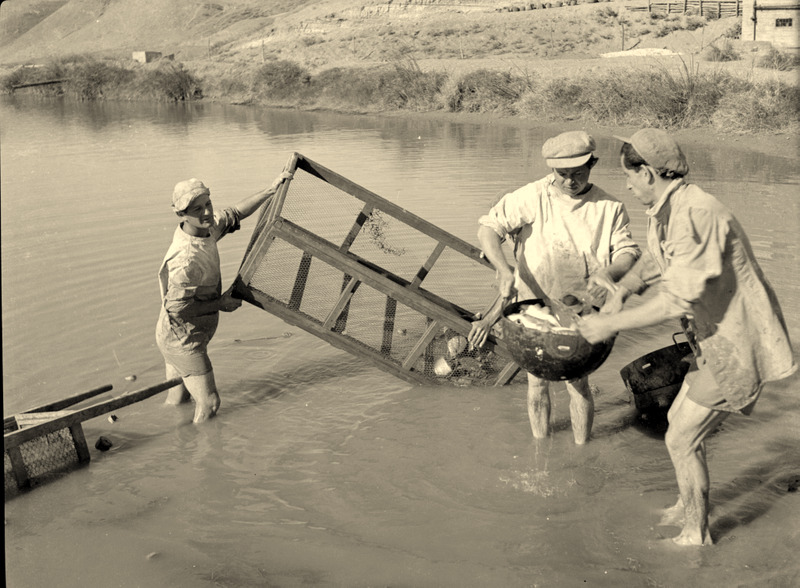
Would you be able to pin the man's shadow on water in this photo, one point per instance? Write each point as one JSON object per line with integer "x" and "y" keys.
{"x": 758, "y": 488}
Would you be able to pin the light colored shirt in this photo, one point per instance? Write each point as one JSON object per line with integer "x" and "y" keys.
{"x": 561, "y": 240}
{"x": 190, "y": 273}
{"x": 709, "y": 274}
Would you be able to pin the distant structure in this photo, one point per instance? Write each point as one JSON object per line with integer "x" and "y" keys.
{"x": 146, "y": 56}
{"x": 773, "y": 21}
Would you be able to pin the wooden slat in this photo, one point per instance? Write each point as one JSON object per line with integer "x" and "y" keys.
{"x": 356, "y": 228}
{"x": 426, "y": 267}
{"x": 339, "y": 341}
{"x": 335, "y": 315}
{"x": 388, "y": 325}
{"x": 18, "y": 467}
{"x": 507, "y": 374}
{"x": 421, "y": 345}
{"x": 80, "y": 443}
{"x": 261, "y": 239}
{"x": 389, "y": 284}
{"x": 392, "y": 209}
{"x": 299, "y": 288}
{"x": 26, "y": 419}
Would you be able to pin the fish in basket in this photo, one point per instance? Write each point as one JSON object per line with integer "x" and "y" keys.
{"x": 542, "y": 337}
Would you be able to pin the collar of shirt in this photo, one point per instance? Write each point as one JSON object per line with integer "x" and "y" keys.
{"x": 572, "y": 202}
{"x": 656, "y": 208}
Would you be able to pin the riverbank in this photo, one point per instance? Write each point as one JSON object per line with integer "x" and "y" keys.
{"x": 590, "y": 64}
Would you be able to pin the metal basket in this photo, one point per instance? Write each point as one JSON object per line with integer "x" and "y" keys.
{"x": 655, "y": 379}
{"x": 548, "y": 354}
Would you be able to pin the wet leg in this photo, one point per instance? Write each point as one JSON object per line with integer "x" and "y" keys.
{"x": 177, "y": 394}
{"x": 204, "y": 391}
{"x": 581, "y": 409}
{"x": 690, "y": 423}
{"x": 538, "y": 406}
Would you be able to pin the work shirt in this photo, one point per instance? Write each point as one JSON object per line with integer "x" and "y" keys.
{"x": 560, "y": 241}
{"x": 190, "y": 273}
{"x": 710, "y": 275}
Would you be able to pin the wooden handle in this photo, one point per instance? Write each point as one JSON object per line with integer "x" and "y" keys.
{"x": 16, "y": 438}
{"x": 10, "y": 422}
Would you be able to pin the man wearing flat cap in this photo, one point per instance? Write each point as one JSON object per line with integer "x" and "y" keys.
{"x": 191, "y": 290}
{"x": 710, "y": 279}
{"x": 571, "y": 239}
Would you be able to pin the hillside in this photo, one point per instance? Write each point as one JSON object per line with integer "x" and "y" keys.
{"x": 327, "y": 33}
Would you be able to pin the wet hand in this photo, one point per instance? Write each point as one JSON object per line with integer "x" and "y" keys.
{"x": 597, "y": 327}
{"x": 280, "y": 179}
{"x": 478, "y": 334}
{"x": 599, "y": 283}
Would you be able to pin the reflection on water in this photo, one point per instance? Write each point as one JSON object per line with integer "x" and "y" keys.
{"x": 320, "y": 469}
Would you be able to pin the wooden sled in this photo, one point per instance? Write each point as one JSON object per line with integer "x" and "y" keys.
{"x": 50, "y": 438}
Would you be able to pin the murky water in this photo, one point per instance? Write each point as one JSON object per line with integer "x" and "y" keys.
{"x": 321, "y": 470}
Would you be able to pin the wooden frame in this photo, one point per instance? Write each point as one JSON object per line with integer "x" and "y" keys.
{"x": 356, "y": 271}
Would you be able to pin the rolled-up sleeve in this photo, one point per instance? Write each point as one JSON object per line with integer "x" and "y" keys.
{"x": 227, "y": 221}
{"x": 621, "y": 240}
{"x": 508, "y": 215}
{"x": 694, "y": 254}
{"x": 642, "y": 275}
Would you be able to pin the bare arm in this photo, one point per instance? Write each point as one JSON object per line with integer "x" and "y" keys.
{"x": 492, "y": 247}
{"x": 607, "y": 277}
{"x": 249, "y": 205}
{"x": 599, "y": 327}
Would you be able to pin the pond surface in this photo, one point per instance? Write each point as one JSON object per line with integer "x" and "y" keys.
{"x": 321, "y": 470}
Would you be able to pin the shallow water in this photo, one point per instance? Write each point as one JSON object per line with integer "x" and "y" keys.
{"x": 321, "y": 470}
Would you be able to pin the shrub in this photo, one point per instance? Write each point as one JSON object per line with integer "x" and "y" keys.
{"x": 169, "y": 80}
{"x": 486, "y": 91}
{"x": 90, "y": 79}
{"x": 764, "y": 107}
{"x": 778, "y": 60}
{"x": 402, "y": 85}
{"x": 280, "y": 79}
{"x": 724, "y": 53}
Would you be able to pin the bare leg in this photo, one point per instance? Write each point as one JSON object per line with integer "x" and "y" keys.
{"x": 538, "y": 406}
{"x": 581, "y": 409}
{"x": 689, "y": 424}
{"x": 177, "y": 394}
{"x": 204, "y": 391}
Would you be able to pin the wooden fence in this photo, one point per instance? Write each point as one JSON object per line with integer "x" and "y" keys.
{"x": 717, "y": 8}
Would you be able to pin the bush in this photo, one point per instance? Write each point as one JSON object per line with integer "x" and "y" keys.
{"x": 765, "y": 107}
{"x": 280, "y": 79}
{"x": 171, "y": 81}
{"x": 401, "y": 86}
{"x": 724, "y": 53}
{"x": 90, "y": 79}
{"x": 486, "y": 91}
{"x": 778, "y": 60}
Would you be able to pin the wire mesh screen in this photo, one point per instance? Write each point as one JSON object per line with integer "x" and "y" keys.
{"x": 371, "y": 278}
{"x": 42, "y": 455}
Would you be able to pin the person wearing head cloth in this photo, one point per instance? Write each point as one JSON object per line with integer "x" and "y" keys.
{"x": 571, "y": 239}
{"x": 190, "y": 282}
{"x": 710, "y": 279}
